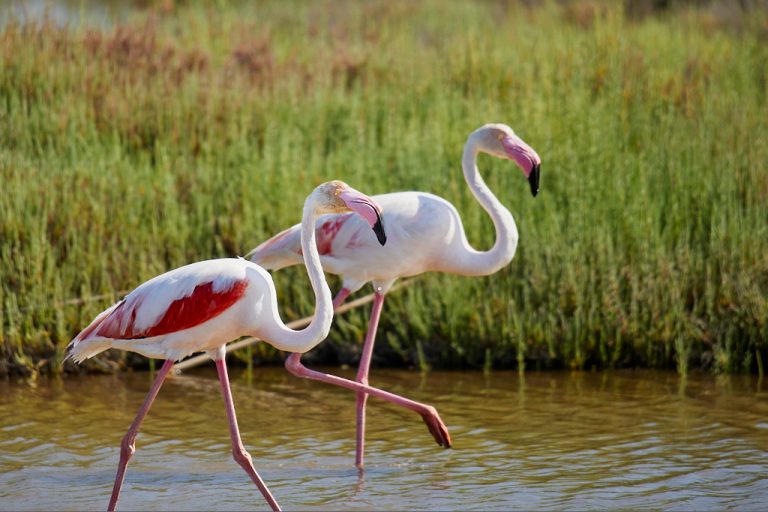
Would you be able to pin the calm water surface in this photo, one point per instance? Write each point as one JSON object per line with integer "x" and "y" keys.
{"x": 621, "y": 440}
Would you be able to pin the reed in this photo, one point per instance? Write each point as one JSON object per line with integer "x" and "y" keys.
{"x": 195, "y": 132}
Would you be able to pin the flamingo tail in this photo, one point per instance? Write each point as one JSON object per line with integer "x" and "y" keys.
{"x": 84, "y": 345}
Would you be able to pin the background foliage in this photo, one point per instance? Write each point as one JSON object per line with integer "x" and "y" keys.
{"x": 195, "y": 130}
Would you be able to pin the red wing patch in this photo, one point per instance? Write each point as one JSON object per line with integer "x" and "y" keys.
{"x": 201, "y": 305}
{"x": 327, "y": 232}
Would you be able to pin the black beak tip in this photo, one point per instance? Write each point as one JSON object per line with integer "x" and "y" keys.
{"x": 378, "y": 228}
{"x": 533, "y": 179}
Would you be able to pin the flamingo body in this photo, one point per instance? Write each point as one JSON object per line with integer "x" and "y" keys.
{"x": 424, "y": 233}
{"x": 194, "y": 308}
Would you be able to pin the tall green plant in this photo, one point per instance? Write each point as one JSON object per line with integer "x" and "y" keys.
{"x": 196, "y": 133}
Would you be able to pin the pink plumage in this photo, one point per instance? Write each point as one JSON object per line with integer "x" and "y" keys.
{"x": 327, "y": 231}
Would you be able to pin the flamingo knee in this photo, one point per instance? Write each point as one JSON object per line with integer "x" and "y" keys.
{"x": 127, "y": 446}
{"x": 294, "y": 366}
{"x": 242, "y": 457}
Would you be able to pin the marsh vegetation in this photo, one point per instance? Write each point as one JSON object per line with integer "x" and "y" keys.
{"x": 194, "y": 131}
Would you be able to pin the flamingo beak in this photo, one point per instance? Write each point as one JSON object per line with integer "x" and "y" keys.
{"x": 368, "y": 209}
{"x": 378, "y": 228}
{"x": 526, "y": 158}
{"x": 533, "y": 179}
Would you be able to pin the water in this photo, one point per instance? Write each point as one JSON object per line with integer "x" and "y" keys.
{"x": 100, "y": 13}
{"x": 621, "y": 440}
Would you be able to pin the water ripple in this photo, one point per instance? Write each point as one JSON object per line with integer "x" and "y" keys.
{"x": 624, "y": 440}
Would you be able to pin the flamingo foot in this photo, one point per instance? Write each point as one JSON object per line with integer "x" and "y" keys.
{"x": 436, "y": 427}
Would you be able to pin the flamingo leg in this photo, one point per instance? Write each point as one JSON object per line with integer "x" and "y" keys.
{"x": 362, "y": 373}
{"x": 340, "y": 297}
{"x": 428, "y": 413}
{"x": 128, "y": 444}
{"x": 241, "y": 456}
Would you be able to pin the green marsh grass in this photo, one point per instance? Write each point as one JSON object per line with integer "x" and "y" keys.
{"x": 197, "y": 132}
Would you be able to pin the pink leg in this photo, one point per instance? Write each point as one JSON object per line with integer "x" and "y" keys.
{"x": 242, "y": 457}
{"x": 340, "y": 297}
{"x": 362, "y": 374}
{"x": 428, "y": 413}
{"x": 128, "y": 444}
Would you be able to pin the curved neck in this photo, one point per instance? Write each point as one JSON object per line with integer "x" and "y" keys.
{"x": 281, "y": 336}
{"x": 472, "y": 261}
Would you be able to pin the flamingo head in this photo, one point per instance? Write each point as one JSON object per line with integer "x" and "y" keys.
{"x": 338, "y": 197}
{"x": 500, "y": 141}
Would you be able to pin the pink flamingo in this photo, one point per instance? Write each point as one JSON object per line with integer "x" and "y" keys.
{"x": 425, "y": 234}
{"x": 202, "y": 306}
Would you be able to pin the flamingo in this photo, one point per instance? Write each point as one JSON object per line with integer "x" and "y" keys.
{"x": 425, "y": 234}
{"x": 202, "y": 306}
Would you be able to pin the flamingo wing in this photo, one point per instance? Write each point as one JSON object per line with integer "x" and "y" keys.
{"x": 174, "y": 301}
{"x": 282, "y": 250}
